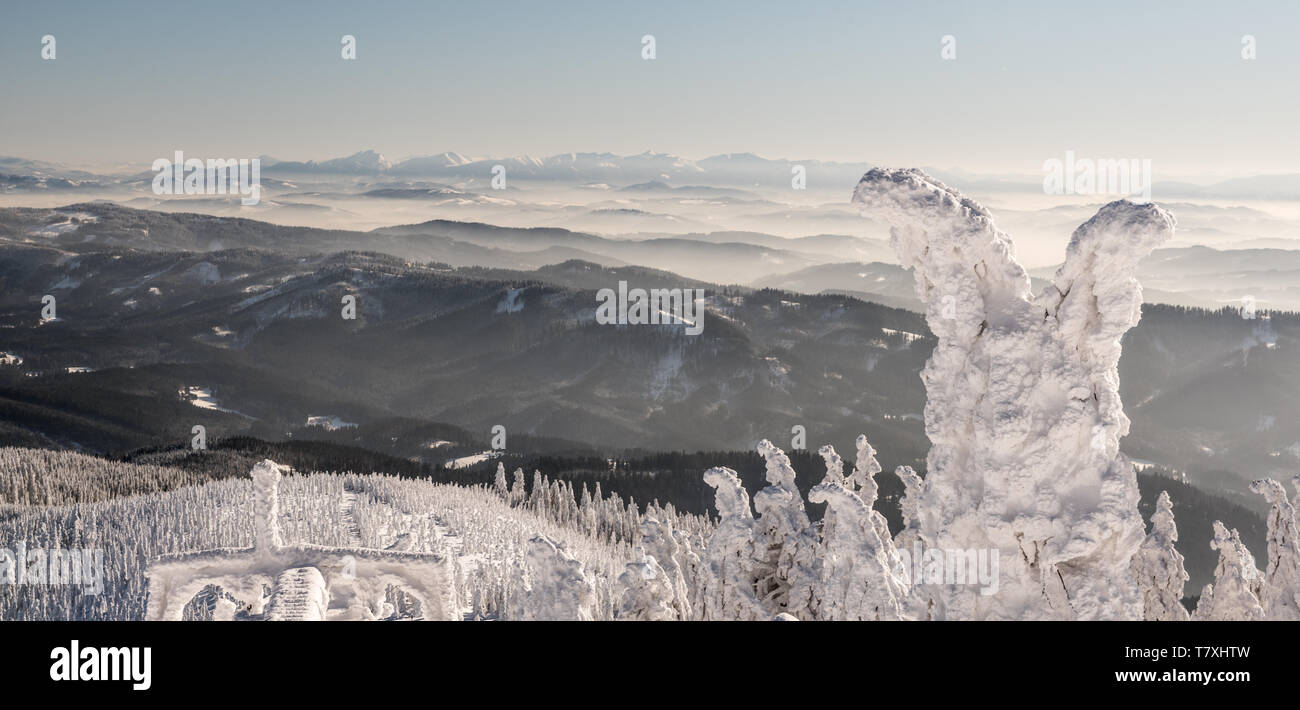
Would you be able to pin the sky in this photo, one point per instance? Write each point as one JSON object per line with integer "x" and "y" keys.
{"x": 829, "y": 80}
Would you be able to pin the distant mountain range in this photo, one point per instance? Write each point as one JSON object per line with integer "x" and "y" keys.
{"x": 652, "y": 170}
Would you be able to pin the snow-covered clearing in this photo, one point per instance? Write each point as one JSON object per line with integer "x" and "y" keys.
{"x": 467, "y": 461}
{"x": 202, "y": 398}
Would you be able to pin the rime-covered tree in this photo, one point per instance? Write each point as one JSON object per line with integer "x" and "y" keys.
{"x": 1158, "y": 567}
{"x": 645, "y": 591}
{"x": 517, "y": 494}
{"x": 787, "y": 572}
{"x": 558, "y": 587}
{"x": 910, "y": 507}
{"x": 1234, "y": 595}
{"x": 730, "y": 557}
{"x": 1022, "y": 400}
{"x": 659, "y": 542}
{"x": 835, "y": 476}
{"x": 499, "y": 483}
{"x": 1280, "y": 596}
{"x": 865, "y": 469}
{"x": 919, "y": 603}
{"x": 857, "y": 580}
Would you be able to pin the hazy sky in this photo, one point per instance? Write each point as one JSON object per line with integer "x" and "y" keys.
{"x": 853, "y": 80}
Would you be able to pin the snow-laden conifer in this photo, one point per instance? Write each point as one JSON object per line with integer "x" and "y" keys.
{"x": 1234, "y": 595}
{"x": 1158, "y": 567}
{"x": 731, "y": 556}
{"x": 857, "y": 580}
{"x": 645, "y": 591}
{"x": 787, "y": 572}
{"x": 1280, "y": 596}
{"x": 558, "y": 589}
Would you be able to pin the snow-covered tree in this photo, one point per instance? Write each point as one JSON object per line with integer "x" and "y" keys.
{"x": 910, "y": 507}
{"x": 857, "y": 576}
{"x": 1023, "y": 411}
{"x": 865, "y": 469}
{"x": 919, "y": 603}
{"x": 694, "y": 570}
{"x": 499, "y": 483}
{"x": 1158, "y": 567}
{"x": 559, "y": 589}
{"x": 517, "y": 494}
{"x": 835, "y": 476}
{"x": 787, "y": 572}
{"x": 646, "y": 593}
{"x": 730, "y": 557}
{"x": 659, "y": 542}
{"x": 1280, "y": 596}
{"x": 1234, "y": 595}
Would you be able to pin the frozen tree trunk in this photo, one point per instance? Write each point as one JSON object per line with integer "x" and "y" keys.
{"x": 1023, "y": 411}
{"x": 1234, "y": 595}
{"x": 1281, "y": 591}
{"x": 1159, "y": 569}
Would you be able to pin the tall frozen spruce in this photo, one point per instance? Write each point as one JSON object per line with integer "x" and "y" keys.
{"x": 1023, "y": 411}
{"x": 1280, "y": 596}
{"x": 1159, "y": 569}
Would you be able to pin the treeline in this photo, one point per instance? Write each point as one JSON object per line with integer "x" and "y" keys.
{"x": 236, "y": 455}
{"x": 670, "y": 477}
{"x": 1156, "y": 309}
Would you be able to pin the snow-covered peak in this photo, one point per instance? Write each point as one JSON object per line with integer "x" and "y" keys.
{"x": 451, "y": 158}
